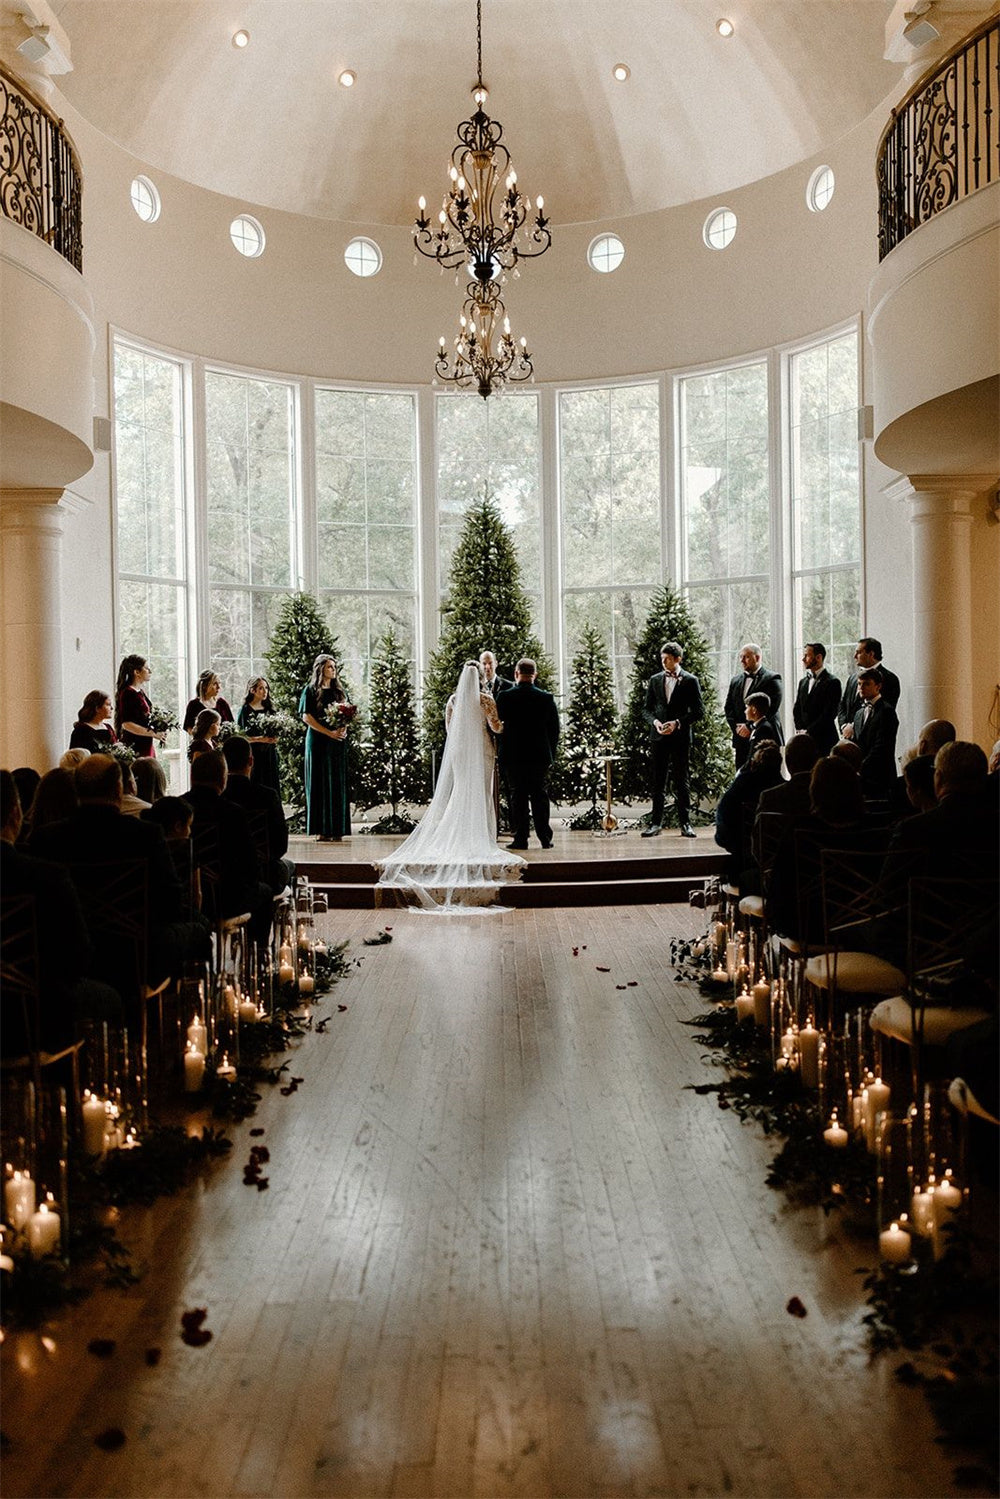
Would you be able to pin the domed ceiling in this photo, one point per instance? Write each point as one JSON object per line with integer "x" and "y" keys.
{"x": 270, "y": 124}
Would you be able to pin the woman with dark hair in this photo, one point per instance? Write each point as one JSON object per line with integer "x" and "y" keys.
{"x": 133, "y": 723}
{"x": 204, "y": 733}
{"x": 55, "y": 800}
{"x": 206, "y": 695}
{"x": 328, "y": 811}
{"x": 256, "y": 704}
{"x": 93, "y": 729}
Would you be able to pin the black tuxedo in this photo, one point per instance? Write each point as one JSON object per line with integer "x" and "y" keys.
{"x": 527, "y": 748}
{"x": 764, "y": 730}
{"x": 252, "y": 797}
{"x": 671, "y": 753}
{"x": 221, "y": 824}
{"x": 815, "y": 711}
{"x": 876, "y": 739}
{"x": 768, "y": 682}
{"x": 851, "y": 700}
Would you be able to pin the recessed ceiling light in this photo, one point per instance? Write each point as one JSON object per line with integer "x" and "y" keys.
{"x": 347, "y": 78}
{"x": 241, "y": 38}
{"x": 724, "y": 27}
{"x": 621, "y": 71}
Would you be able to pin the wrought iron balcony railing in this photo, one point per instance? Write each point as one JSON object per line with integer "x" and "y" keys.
{"x": 41, "y": 187}
{"x": 943, "y": 141}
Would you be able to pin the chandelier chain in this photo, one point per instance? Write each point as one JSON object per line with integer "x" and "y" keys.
{"x": 479, "y": 42}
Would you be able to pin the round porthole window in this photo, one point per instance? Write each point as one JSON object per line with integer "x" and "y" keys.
{"x": 363, "y": 257}
{"x": 820, "y": 189}
{"x": 247, "y": 235}
{"x": 606, "y": 253}
{"x": 720, "y": 228}
{"x": 145, "y": 199}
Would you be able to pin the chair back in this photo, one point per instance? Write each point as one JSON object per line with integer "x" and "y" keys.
{"x": 850, "y": 883}
{"x": 206, "y": 852}
{"x": 19, "y": 976}
{"x": 951, "y": 921}
{"x": 114, "y": 895}
{"x": 257, "y": 823}
{"x": 768, "y": 830}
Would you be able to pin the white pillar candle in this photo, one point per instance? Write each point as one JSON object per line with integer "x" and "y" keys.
{"x": 947, "y": 1202}
{"x": 6, "y": 1263}
{"x": 744, "y": 1006}
{"x": 197, "y": 1034}
{"x": 762, "y": 1002}
{"x": 732, "y": 959}
{"x": 894, "y": 1245}
{"x": 859, "y": 1111}
{"x": 788, "y": 1043}
{"x": 19, "y": 1200}
{"x": 876, "y": 1102}
{"x": 284, "y": 953}
{"x": 286, "y": 974}
{"x": 922, "y": 1210}
{"x": 719, "y": 975}
{"x": 194, "y": 1069}
{"x": 306, "y": 983}
{"x": 320, "y": 947}
{"x": 303, "y": 935}
{"x": 808, "y": 1048}
{"x": 43, "y": 1231}
{"x": 95, "y": 1118}
{"x": 835, "y": 1134}
{"x": 248, "y": 1010}
{"x": 226, "y": 1071}
{"x": 696, "y": 950}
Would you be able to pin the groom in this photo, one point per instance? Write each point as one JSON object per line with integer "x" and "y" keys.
{"x": 527, "y": 747}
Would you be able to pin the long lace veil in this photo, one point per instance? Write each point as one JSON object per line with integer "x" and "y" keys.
{"x": 452, "y": 856}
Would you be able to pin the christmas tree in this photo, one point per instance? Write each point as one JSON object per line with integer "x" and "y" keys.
{"x": 392, "y": 769}
{"x": 670, "y": 618}
{"x": 299, "y": 636}
{"x": 590, "y": 730}
{"x": 486, "y": 609}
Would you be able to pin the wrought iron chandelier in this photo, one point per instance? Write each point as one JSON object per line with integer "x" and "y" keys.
{"x": 485, "y": 229}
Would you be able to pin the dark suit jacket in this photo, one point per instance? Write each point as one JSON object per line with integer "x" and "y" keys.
{"x": 499, "y": 684}
{"x": 764, "y": 730}
{"x": 851, "y": 700}
{"x": 876, "y": 740}
{"x": 763, "y": 681}
{"x": 64, "y": 946}
{"x": 97, "y": 834}
{"x": 685, "y": 707}
{"x": 243, "y": 792}
{"x": 240, "y": 886}
{"x": 790, "y": 799}
{"x": 957, "y": 839}
{"x": 815, "y": 712}
{"x": 530, "y": 735}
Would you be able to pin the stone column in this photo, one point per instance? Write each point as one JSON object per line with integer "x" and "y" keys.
{"x": 944, "y": 644}
{"x": 32, "y": 727}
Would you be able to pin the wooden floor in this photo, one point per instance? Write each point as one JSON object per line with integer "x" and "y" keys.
{"x": 504, "y": 1252}
{"x": 627, "y": 843}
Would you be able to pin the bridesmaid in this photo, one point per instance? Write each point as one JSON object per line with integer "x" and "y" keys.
{"x": 93, "y": 729}
{"x": 132, "y": 707}
{"x": 328, "y": 810}
{"x": 206, "y": 695}
{"x": 204, "y": 733}
{"x": 265, "y": 746}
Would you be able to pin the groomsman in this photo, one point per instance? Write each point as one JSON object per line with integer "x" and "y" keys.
{"x": 753, "y": 678}
{"x": 867, "y": 655}
{"x": 673, "y": 704}
{"x": 817, "y": 698}
{"x": 875, "y": 728}
{"x": 493, "y": 682}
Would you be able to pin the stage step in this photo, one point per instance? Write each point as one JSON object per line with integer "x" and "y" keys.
{"x": 545, "y": 882}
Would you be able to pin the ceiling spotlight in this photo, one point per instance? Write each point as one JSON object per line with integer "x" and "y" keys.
{"x": 347, "y": 78}
{"x": 621, "y": 71}
{"x": 724, "y": 27}
{"x": 241, "y": 38}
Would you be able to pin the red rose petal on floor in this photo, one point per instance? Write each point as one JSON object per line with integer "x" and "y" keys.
{"x": 256, "y": 1132}
{"x": 632, "y": 984}
{"x": 602, "y": 969}
{"x": 111, "y": 1439}
{"x": 196, "y": 1337}
{"x": 576, "y": 952}
{"x": 153, "y": 1356}
{"x": 796, "y": 1308}
{"x": 621, "y": 986}
{"x": 263, "y": 1184}
{"x": 101, "y": 1347}
{"x": 193, "y": 1318}
{"x": 342, "y": 1008}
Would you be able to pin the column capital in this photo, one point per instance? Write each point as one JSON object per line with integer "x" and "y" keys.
{"x": 958, "y": 490}
{"x": 22, "y": 497}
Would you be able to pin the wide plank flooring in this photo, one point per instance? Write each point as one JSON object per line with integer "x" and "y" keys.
{"x": 504, "y": 1252}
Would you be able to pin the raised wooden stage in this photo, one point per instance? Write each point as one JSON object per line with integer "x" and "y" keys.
{"x": 581, "y": 869}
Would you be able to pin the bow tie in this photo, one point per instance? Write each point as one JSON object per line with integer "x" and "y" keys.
{"x": 673, "y": 675}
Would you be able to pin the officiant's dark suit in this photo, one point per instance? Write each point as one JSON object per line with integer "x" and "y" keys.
{"x": 671, "y": 752}
{"x": 527, "y": 748}
{"x": 753, "y": 678}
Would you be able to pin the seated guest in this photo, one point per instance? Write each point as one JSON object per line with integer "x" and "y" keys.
{"x": 253, "y": 797}
{"x": 174, "y": 815}
{"x": 150, "y": 779}
{"x": 955, "y": 839}
{"x": 791, "y": 798}
{"x": 995, "y": 758}
{"x": 934, "y": 734}
{"x": 817, "y": 698}
{"x": 26, "y": 780}
{"x": 222, "y": 824}
{"x": 762, "y": 725}
{"x": 918, "y": 780}
{"x": 836, "y": 821}
{"x": 204, "y": 733}
{"x": 71, "y": 758}
{"x": 133, "y": 805}
{"x": 94, "y": 728}
{"x": 847, "y": 750}
{"x": 734, "y": 816}
{"x": 55, "y": 799}
{"x": 98, "y": 832}
{"x": 64, "y": 948}
{"x": 875, "y": 730}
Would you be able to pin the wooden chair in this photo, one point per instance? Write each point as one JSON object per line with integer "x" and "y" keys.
{"x": 229, "y": 931}
{"x": 849, "y": 883}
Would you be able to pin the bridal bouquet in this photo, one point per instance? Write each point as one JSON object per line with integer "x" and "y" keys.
{"x": 162, "y": 721}
{"x": 339, "y": 715}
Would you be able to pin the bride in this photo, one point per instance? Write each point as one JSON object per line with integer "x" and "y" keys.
{"x": 452, "y": 859}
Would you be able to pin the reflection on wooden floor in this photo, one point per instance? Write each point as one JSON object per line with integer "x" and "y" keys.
{"x": 504, "y": 1252}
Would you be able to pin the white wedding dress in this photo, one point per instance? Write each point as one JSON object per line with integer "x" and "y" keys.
{"x": 452, "y": 861}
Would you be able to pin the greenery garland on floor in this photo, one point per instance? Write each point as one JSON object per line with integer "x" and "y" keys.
{"x": 935, "y": 1309}
{"x": 166, "y": 1159}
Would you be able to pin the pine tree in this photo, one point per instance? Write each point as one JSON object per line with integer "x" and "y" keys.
{"x": 670, "y": 618}
{"x": 299, "y": 636}
{"x": 487, "y": 609}
{"x": 590, "y": 729}
{"x": 392, "y": 769}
